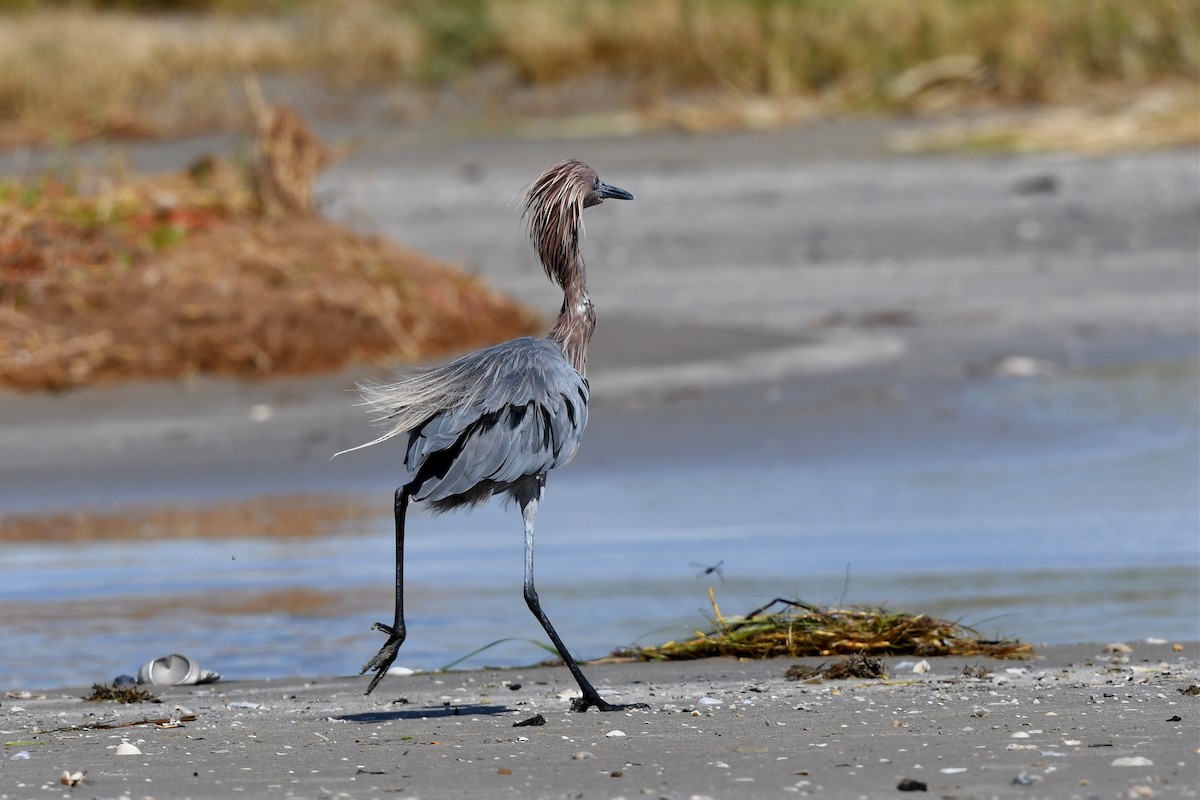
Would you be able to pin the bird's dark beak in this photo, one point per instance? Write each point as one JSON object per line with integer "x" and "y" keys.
{"x": 604, "y": 191}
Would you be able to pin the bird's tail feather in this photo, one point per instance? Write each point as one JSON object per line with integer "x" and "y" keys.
{"x": 409, "y": 402}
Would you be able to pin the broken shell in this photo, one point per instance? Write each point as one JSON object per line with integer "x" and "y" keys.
{"x": 69, "y": 778}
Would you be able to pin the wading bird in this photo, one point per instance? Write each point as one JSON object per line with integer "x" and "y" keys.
{"x": 497, "y": 420}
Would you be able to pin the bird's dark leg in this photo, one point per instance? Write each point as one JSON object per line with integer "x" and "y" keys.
{"x": 590, "y": 696}
{"x": 387, "y": 654}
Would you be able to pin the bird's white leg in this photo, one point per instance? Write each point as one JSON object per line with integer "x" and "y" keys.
{"x": 590, "y": 696}
{"x": 396, "y": 632}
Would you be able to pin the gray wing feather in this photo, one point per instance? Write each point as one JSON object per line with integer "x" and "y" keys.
{"x": 498, "y": 415}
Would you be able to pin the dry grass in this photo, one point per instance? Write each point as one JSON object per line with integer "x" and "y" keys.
{"x": 795, "y": 629}
{"x": 150, "y": 290}
{"x": 1165, "y": 116}
{"x": 206, "y": 272}
{"x": 137, "y": 74}
{"x": 1025, "y": 49}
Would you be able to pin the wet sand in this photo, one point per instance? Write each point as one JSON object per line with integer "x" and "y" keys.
{"x": 1074, "y": 722}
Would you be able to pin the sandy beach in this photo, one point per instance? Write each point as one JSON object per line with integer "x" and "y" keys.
{"x": 1074, "y": 722}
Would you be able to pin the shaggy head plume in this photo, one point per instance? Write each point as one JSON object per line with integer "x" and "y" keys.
{"x": 553, "y": 211}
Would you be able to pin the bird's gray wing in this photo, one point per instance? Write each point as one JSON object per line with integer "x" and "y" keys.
{"x": 525, "y": 417}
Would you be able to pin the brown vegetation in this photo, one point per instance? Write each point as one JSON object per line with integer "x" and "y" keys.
{"x": 210, "y": 272}
{"x": 799, "y": 629}
{"x": 157, "y": 74}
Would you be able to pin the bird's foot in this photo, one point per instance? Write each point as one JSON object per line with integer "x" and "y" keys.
{"x": 582, "y": 704}
{"x": 386, "y": 655}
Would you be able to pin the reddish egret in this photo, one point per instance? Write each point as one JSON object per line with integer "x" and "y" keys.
{"x": 497, "y": 420}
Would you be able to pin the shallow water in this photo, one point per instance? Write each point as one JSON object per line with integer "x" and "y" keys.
{"x": 1075, "y": 516}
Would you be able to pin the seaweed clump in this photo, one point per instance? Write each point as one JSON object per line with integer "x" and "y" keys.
{"x": 127, "y": 694}
{"x": 858, "y": 665}
{"x": 794, "y": 629}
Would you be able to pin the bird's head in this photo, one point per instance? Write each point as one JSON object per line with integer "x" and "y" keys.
{"x": 553, "y": 210}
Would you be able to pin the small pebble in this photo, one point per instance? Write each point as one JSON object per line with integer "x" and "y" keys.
{"x": 615, "y": 734}
{"x": 922, "y": 667}
{"x": 910, "y": 785}
{"x": 1019, "y": 735}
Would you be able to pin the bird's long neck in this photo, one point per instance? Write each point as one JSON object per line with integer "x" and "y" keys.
{"x": 577, "y": 319}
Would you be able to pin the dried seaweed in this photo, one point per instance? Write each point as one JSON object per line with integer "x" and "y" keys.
{"x": 128, "y": 694}
{"x": 793, "y": 629}
{"x": 858, "y": 665}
